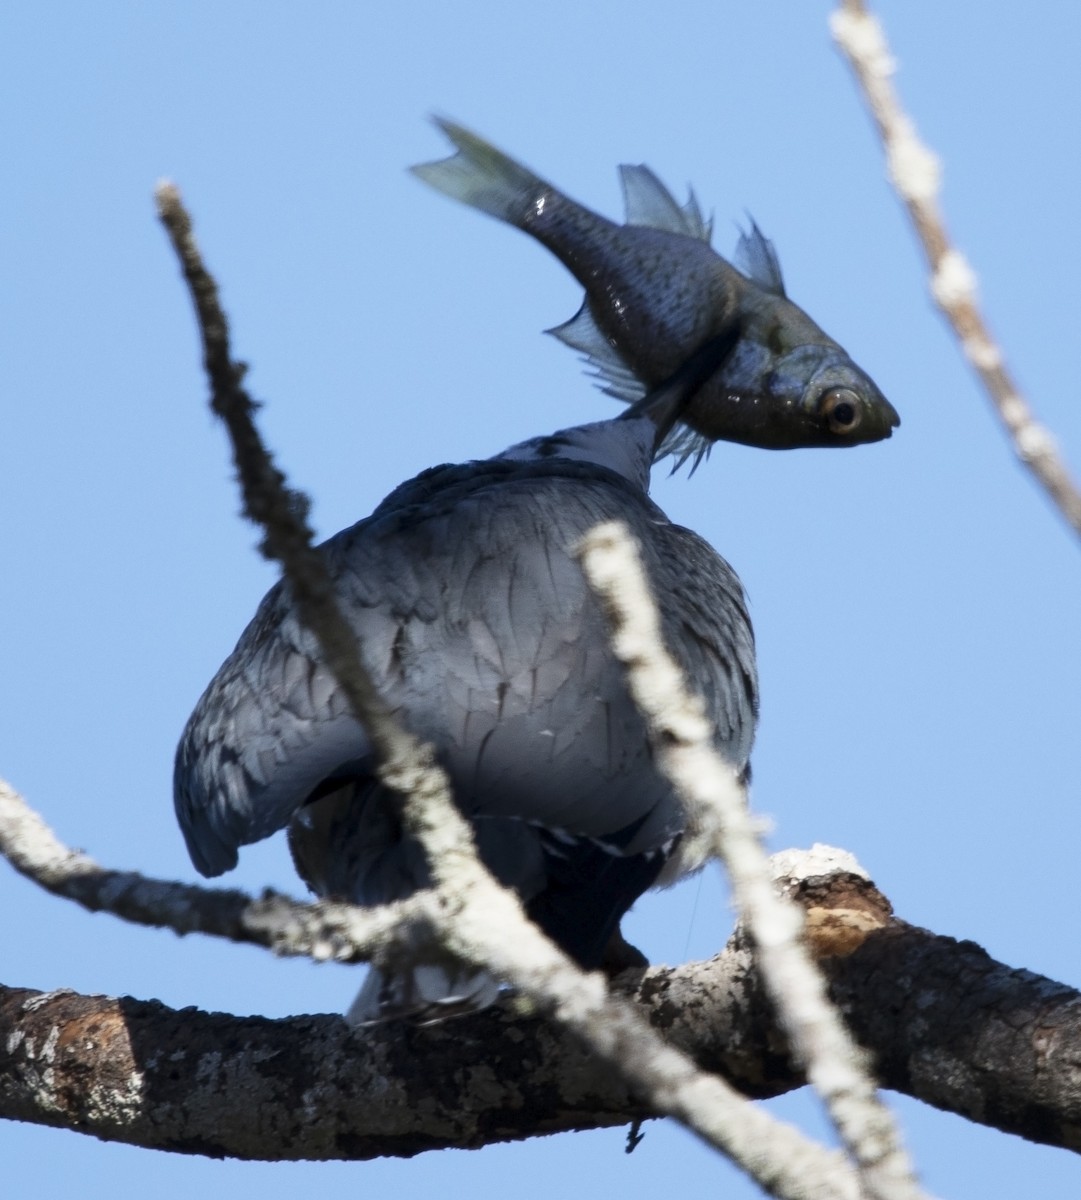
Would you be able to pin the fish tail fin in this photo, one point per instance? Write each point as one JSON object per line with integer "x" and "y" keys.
{"x": 481, "y": 176}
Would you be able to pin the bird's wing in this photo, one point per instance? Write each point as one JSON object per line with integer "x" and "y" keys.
{"x": 707, "y": 629}
{"x": 477, "y": 625}
{"x": 272, "y": 724}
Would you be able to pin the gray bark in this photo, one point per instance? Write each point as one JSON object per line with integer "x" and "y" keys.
{"x": 944, "y": 1022}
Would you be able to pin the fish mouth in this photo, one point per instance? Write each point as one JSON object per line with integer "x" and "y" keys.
{"x": 889, "y": 422}
{"x": 877, "y": 425}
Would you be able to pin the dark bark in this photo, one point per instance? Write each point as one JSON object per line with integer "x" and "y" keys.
{"x": 957, "y": 1029}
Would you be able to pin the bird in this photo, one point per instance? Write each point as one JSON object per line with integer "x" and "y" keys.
{"x": 475, "y": 621}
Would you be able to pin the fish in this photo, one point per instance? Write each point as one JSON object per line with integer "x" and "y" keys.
{"x": 656, "y": 291}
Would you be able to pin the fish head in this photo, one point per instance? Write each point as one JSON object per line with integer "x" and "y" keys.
{"x": 830, "y": 400}
{"x": 780, "y": 397}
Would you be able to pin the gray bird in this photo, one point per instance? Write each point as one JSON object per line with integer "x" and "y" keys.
{"x": 475, "y": 620}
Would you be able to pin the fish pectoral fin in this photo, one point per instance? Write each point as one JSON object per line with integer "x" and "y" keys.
{"x": 757, "y": 258}
{"x": 650, "y": 203}
{"x": 582, "y": 333}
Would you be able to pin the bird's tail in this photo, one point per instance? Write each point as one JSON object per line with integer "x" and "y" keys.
{"x": 481, "y": 176}
{"x": 424, "y": 994}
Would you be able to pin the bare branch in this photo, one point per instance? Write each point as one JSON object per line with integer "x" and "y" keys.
{"x": 716, "y": 802}
{"x": 326, "y": 930}
{"x": 483, "y": 923}
{"x": 915, "y": 172}
{"x": 945, "y": 1023}
{"x": 282, "y": 512}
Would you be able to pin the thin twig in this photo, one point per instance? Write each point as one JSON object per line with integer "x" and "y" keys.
{"x": 915, "y": 174}
{"x": 683, "y": 745}
{"x": 326, "y": 930}
{"x": 483, "y": 923}
{"x": 277, "y": 509}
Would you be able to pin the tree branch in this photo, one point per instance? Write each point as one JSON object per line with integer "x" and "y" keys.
{"x": 325, "y": 930}
{"x": 914, "y": 172}
{"x": 944, "y": 1022}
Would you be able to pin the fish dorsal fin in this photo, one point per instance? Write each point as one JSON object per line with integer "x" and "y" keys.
{"x": 649, "y": 202}
{"x": 582, "y": 334}
{"x": 698, "y": 225}
{"x": 756, "y": 257}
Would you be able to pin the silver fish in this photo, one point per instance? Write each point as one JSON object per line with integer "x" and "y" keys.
{"x": 656, "y": 291}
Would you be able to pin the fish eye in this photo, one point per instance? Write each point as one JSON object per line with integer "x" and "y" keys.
{"x": 840, "y": 409}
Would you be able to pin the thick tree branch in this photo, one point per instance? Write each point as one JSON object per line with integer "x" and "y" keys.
{"x": 958, "y": 1030}
{"x": 914, "y": 172}
{"x": 944, "y": 1022}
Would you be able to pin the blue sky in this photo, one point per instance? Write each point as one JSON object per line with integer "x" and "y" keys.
{"x": 915, "y": 601}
